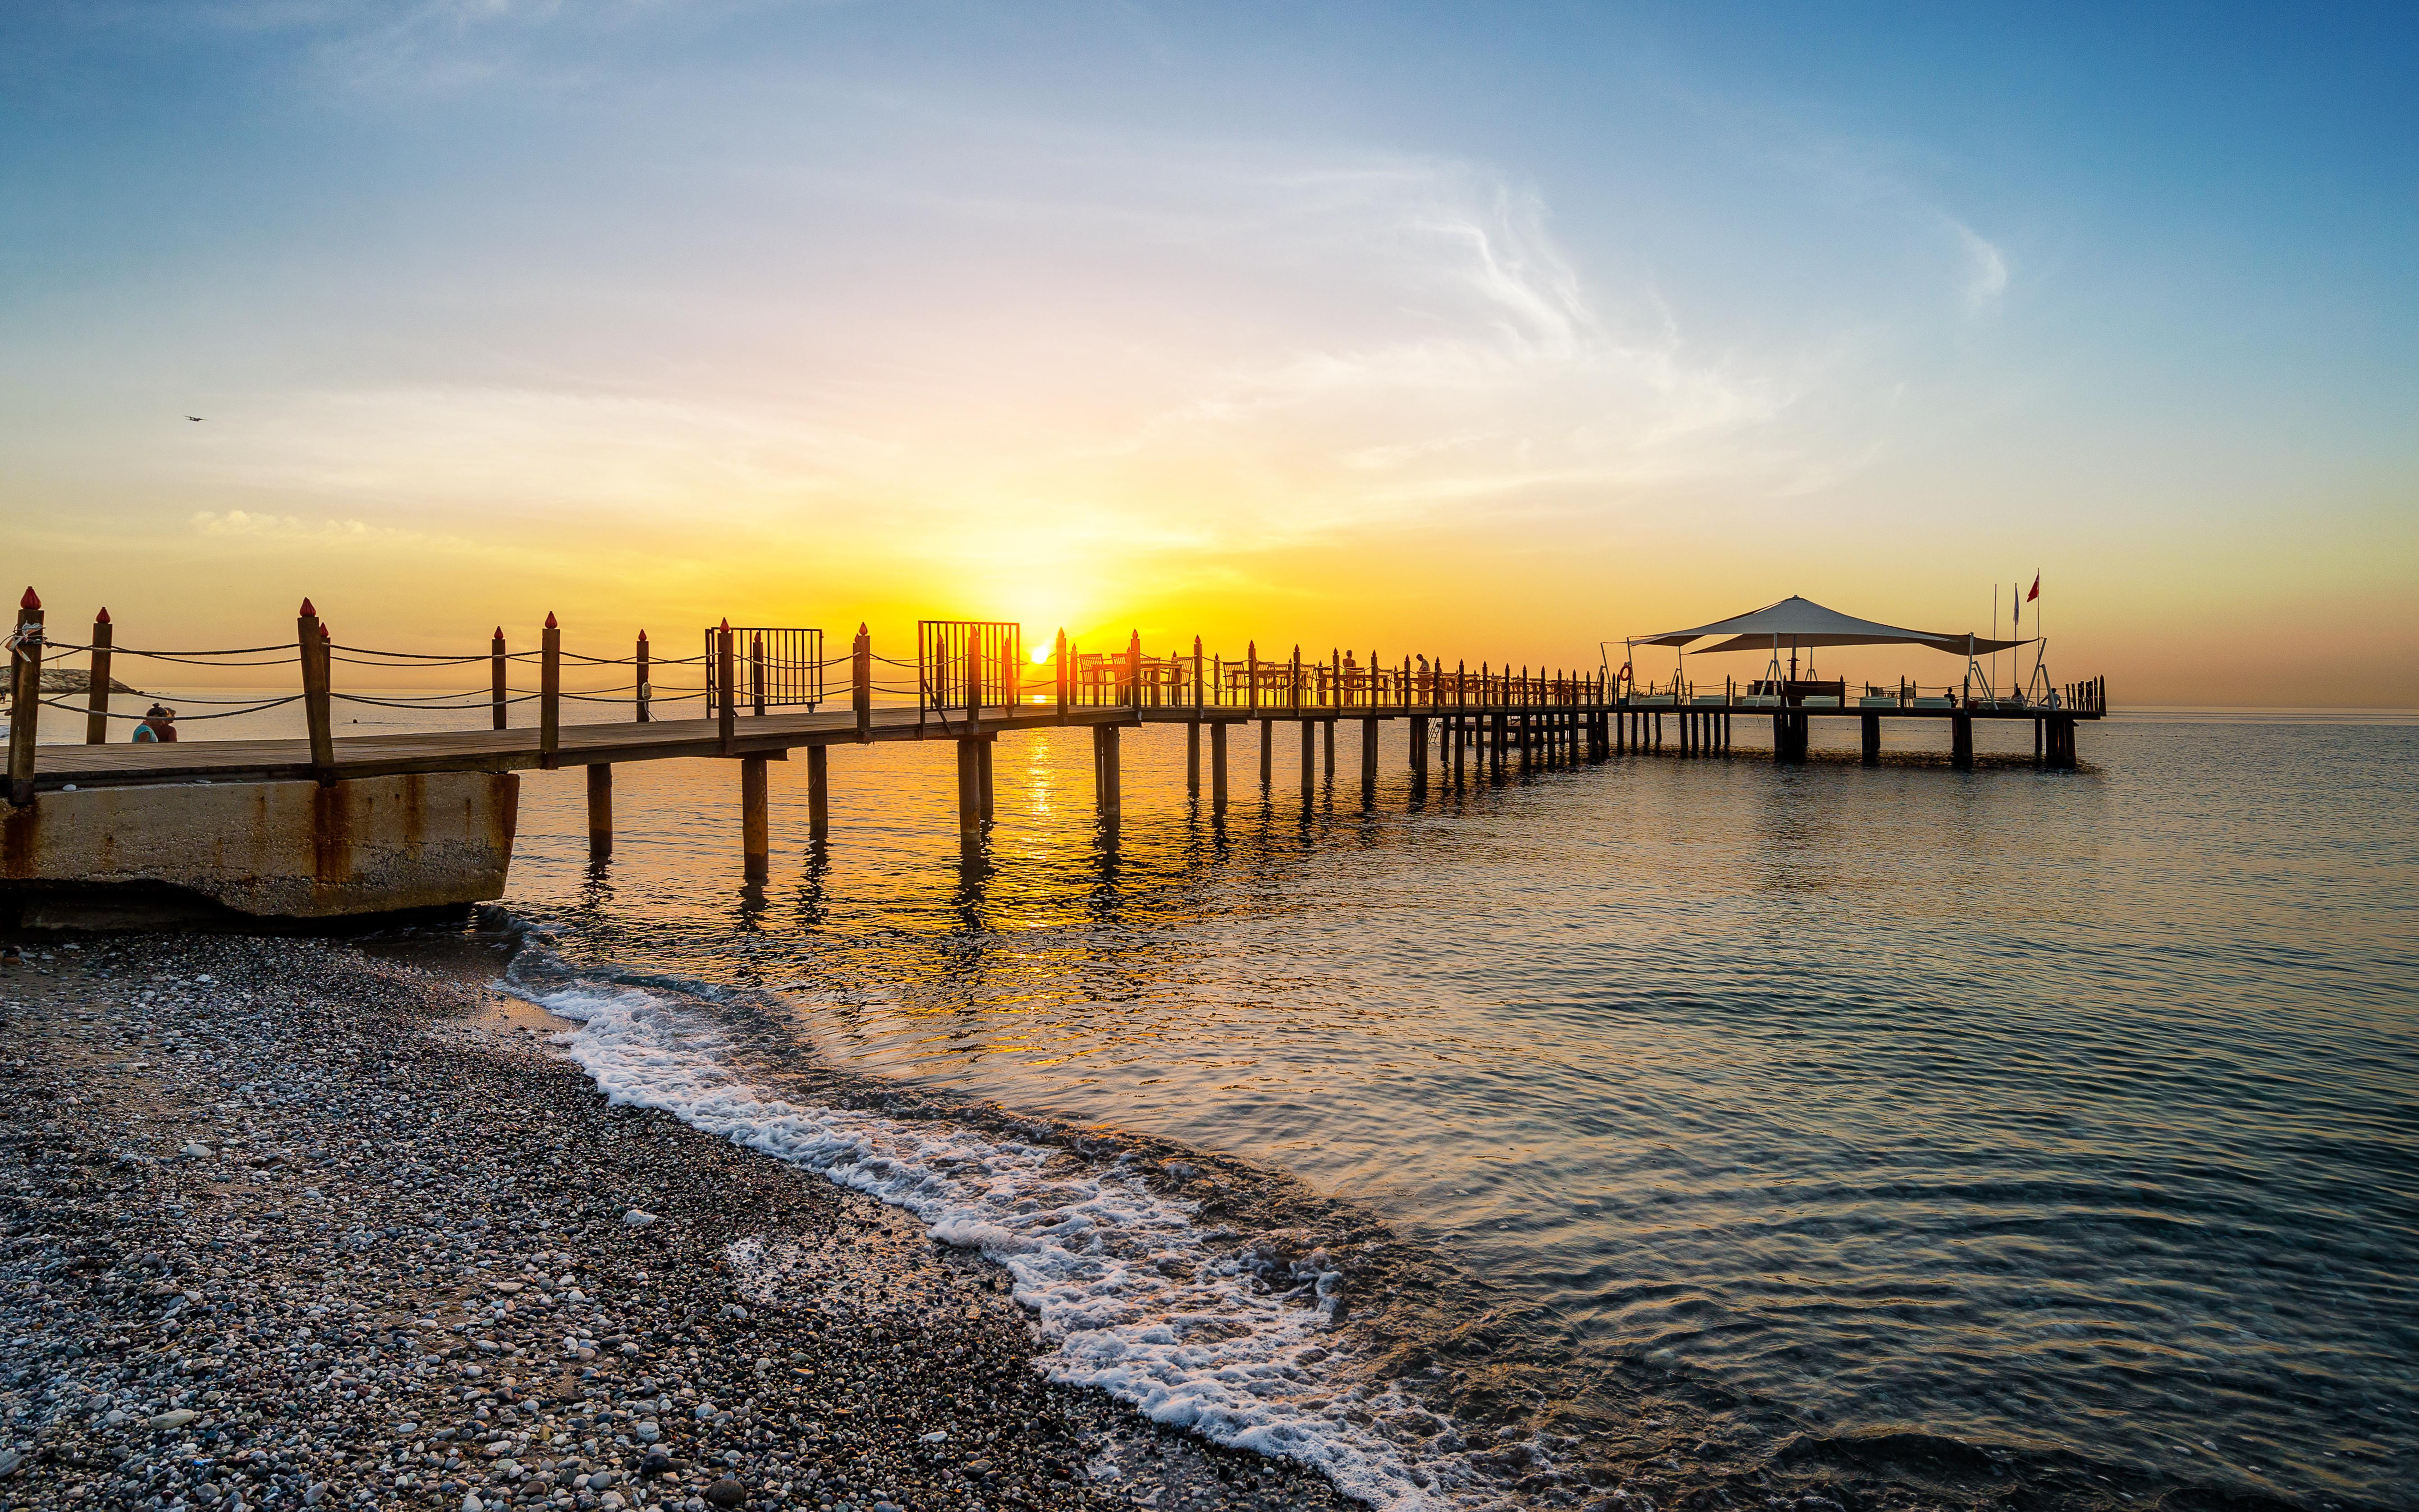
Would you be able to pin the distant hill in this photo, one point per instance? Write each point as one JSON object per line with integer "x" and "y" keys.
{"x": 77, "y": 680}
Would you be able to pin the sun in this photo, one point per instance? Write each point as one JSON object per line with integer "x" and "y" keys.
{"x": 1040, "y": 654}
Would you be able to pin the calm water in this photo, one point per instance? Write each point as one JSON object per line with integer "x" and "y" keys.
{"x": 2074, "y": 1117}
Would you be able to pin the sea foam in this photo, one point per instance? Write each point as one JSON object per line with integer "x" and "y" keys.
{"x": 1133, "y": 1294}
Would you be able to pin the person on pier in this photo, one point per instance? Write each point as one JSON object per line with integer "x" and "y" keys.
{"x": 159, "y": 724}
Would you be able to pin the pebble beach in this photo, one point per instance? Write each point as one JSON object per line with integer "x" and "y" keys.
{"x": 284, "y": 1223}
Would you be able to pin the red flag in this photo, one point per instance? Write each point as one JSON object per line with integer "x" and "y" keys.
{"x": 2036, "y": 592}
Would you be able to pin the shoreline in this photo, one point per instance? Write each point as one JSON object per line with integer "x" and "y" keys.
{"x": 282, "y": 1223}
{"x": 332, "y": 1224}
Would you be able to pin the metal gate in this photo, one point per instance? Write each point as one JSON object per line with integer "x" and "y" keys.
{"x": 769, "y": 668}
{"x": 967, "y": 666}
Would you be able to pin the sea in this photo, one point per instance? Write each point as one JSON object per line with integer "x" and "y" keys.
{"x": 1671, "y": 1129}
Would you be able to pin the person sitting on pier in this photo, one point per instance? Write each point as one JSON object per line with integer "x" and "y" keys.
{"x": 159, "y": 723}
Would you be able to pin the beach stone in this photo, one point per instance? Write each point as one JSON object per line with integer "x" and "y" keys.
{"x": 194, "y": 1149}
{"x": 177, "y": 1419}
{"x": 637, "y": 1218}
{"x": 725, "y": 1492}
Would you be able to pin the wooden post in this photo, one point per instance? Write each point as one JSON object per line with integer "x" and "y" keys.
{"x": 600, "y": 808}
{"x": 1309, "y": 755}
{"x": 726, "y": 697}
{"x": 1252, "y": 680}
{"x": 755, "y": 816}
{"x": 96, "y": 694}
{"x": 1296, "y": 680}
{"x": 1200, "y": 695}
{"x": 1193, "y": 758}
{"x": 1961, "y": 740}
{"x": 860, "y": 684}
{"x": 1268, "y": 751}
{"x": 311, "y": 646}
{"x": 1419, "y": 748}
{"x": 1134, "y": 671}
{"x": 983, "y": 749}
{"x": 1369, "y": 756}
{"x": 499, "y": 680}
{"x": 756, "y": 671}
{"x": 969, "y": 783}
{"x": 818, "y": 789}
{"x": 973, "y": 682}
{"x": 645, "y": 686}
{"x": 1111, "y": 783}
{"x": 25, "y": 696}
{"x": 2037, "y": 725}
{"x": 1218, "y": 766}
{"x": 1327, "y": 739}
{"x": 1873, "y": 739}
{"x": 549, "y": 695}
{"x": 1060, "y": 656}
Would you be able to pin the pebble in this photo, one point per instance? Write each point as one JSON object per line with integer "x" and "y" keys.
{"x": 409, "y": 1242}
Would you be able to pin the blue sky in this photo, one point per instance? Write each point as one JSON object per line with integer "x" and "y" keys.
{"x": 1591, "y": 318}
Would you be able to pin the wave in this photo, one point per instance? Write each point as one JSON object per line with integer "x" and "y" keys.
{"x": 1137, "y": 1291}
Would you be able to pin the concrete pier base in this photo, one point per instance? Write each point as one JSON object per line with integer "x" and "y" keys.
{"x": 276, "y": 850}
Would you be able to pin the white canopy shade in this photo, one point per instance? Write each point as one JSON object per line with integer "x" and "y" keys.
{"x": 1800, "y": 621}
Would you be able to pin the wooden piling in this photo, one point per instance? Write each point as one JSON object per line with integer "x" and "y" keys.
{"x": 1961, "y": 740}
{"x": 1058, "y": 657}
{"x": 1327, "y": 738}
{"x": 1369, "y": 755}
{"x": 755, "y": 816}
{"x": 549, "y": 695}
{"x": 986, "y": 749}
{"x": 1309, "y": 755}
{"x": 1267, "y": 752}
{"x": 643, "y": 682}
{"x": 498, "y": 681}
{"x": 25, "y": 696}
{"x": 818, "y": 789}
{"x": 726, "y": 696}
{"x": 1111, "y": 784}
{"x": 311, "y": 648}
{"x": 1218, "y": 767}
{"x": 969, "y": 783}
{"x": 1419, "y": 748}
{"x": 1872, "y": 738}
{"x": 756, "y": 673}
{"x": 96, "y": 698}
{"x": 600, "y": 808}
{"x": 860, "y": 683}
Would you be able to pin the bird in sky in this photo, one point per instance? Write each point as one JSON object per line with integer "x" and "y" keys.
{"x": 197, "y": 419}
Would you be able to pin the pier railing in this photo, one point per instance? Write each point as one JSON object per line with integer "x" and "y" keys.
{"x": 967, "y": 671}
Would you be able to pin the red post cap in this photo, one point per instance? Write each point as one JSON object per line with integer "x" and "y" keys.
{"x": 642, "y": 634}
{"x": 549, "y": 621}
{"x": 860, "y": 627}
{"x": 325, "y": 634}
{"x": 500, "y": 632}
{"x": 102, "y": 618}
{"x": 31, "y": 601}
{"x": 726, "y": 624}
{"x": 307, "y": 611}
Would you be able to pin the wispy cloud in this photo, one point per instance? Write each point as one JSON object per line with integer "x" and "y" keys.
{"x": 1986, "y": 274}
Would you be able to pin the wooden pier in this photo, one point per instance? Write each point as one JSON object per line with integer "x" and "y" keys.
{"x": 763, "y": 692}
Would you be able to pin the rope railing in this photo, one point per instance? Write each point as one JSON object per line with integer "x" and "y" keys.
{"x": 768, "y": 669}
{"x": 111, "y": 714}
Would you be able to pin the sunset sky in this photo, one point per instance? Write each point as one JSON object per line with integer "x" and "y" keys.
{"x": 1478, "y": 330}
